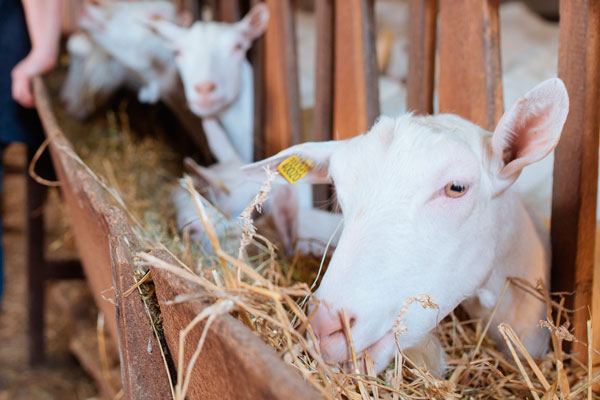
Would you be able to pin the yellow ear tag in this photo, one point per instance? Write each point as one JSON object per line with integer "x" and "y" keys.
{"x": 294, "y": 168}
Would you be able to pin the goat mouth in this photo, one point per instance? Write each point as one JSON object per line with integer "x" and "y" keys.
{"x": 208, "y": 106}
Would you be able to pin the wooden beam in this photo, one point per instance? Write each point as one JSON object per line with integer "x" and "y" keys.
{"x": 324, "y": 71}
{"x": 421, "y": 57}
{"x": 323, "y": 111}
{"x": 470, "y": 81}
{"x": 576, "y": 164}
{"x": 231, "y": 352}
{"x": 356, "y": 93}
{"x": 107, "y": 247}
{"x": 228, "y": 11}
{"x": 281, "y": 99}
{"x": 257, "y": 57}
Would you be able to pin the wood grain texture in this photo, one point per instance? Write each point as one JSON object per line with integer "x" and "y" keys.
{"x": 576, "y": 163}
{"x": 106, "y": 243}
{"x": 281, "y": 100}
{"x": 470, "y": 81}
{"x": 234, "y": 363}
{"x": 421, "y": 57}
{"x": 356, "y": 92}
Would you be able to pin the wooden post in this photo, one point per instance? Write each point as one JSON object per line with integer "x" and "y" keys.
{"x": 356, "y": 94}
{"x": 257, "y": 57}
{"x": 35, "y": 266}
{"x": 421, "y": 58}
{"x": 576, "y": 165}
{"x": 281, "y": 100}
{"x": 228, "y": 11}
{"x": 323, "y": 114}
{"x": 470, "y": 82}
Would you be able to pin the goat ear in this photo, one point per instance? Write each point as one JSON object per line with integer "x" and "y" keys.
{"x": 529, "y": 130}
{"x": 316, "y": 152}
{"x": 255, "y": 22}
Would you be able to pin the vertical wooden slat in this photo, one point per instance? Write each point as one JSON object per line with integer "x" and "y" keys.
{"x": 257, "y": 57}
{"x": 576, "y": 162}
{"x": 356, "y": 94}
{"x": 35, "y": 194}
{"x": 228, "y": 11}
{"x": 323, "y": 114}
{"x": 470, "y": 82}
{"x": 281, "y": 99}
{"x": 421, "y": 58}
{"x": 324, "y": 71}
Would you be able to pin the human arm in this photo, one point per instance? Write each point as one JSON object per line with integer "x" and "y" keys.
{"x": 43, "y": 25}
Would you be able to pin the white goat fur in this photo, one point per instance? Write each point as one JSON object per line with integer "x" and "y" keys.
{"x": 121, "y": 29}
{"x": 404, "y": 235}
{"x": 92, "y": 78}
{"x": 211, "y": 53}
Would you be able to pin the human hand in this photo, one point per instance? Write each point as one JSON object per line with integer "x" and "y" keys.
{"x": 35, "y": 63}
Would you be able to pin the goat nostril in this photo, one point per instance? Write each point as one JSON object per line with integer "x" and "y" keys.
{"x": 205, "y": 87}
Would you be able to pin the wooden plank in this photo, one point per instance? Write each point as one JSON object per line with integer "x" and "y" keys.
{"x": 105, "y": 243}
{"x": 233, "y": 363}
{"x": 228, "y": 11}
{"x": 576, "y": 163}
{"x": 323, "y": 111}
{"x": 421, "y": 57}
{"x": 257, "y": 57}
{"x": 35, "y": 268}
{"x": 281, "y": 100}
{"x": 470, "y": 81}
{"x": 356, "y": 94}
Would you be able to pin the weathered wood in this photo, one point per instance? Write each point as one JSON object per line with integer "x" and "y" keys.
{"x": 421, "y": 57}
{"x": 576, "y": 163}
{"x": 105, "y": 243}
{"x": 323, "y": 111}
{"x": 281, "y": 100}
{"x": 356, "y": 93}
{"x": 233, "y": 363}
{"x": 470, "y": 80}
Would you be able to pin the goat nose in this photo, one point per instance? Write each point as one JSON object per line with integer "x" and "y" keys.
{"x": 328, "y": 322}
{"x": 205, "y": 87}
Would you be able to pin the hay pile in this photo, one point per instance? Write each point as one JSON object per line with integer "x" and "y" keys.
{"x": 268, "y": 293}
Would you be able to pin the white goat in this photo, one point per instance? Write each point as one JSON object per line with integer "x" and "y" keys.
{"x": 429, "y": 209}
{"x": 299, "y": 226}
{"x": 217, "y": 78}
{"x": 121, "y": 29}
{"x": 93, "y": 77}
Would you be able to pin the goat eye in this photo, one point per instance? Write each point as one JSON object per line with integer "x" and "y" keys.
{"x": 455, "y": 190}
{"x": 238, "y": 47}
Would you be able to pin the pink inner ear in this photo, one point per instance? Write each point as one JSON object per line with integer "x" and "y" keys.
{"x": 530, "y": 135}
{"x": 527, "y": 136}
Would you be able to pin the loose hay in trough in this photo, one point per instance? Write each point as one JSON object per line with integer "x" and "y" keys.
{"x": 268, "y": 294}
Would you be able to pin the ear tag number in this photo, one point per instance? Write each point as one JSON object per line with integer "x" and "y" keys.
{"x": 294, "y": 168}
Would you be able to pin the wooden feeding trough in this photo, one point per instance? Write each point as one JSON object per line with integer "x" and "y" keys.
{"x": 234, "y": 362}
